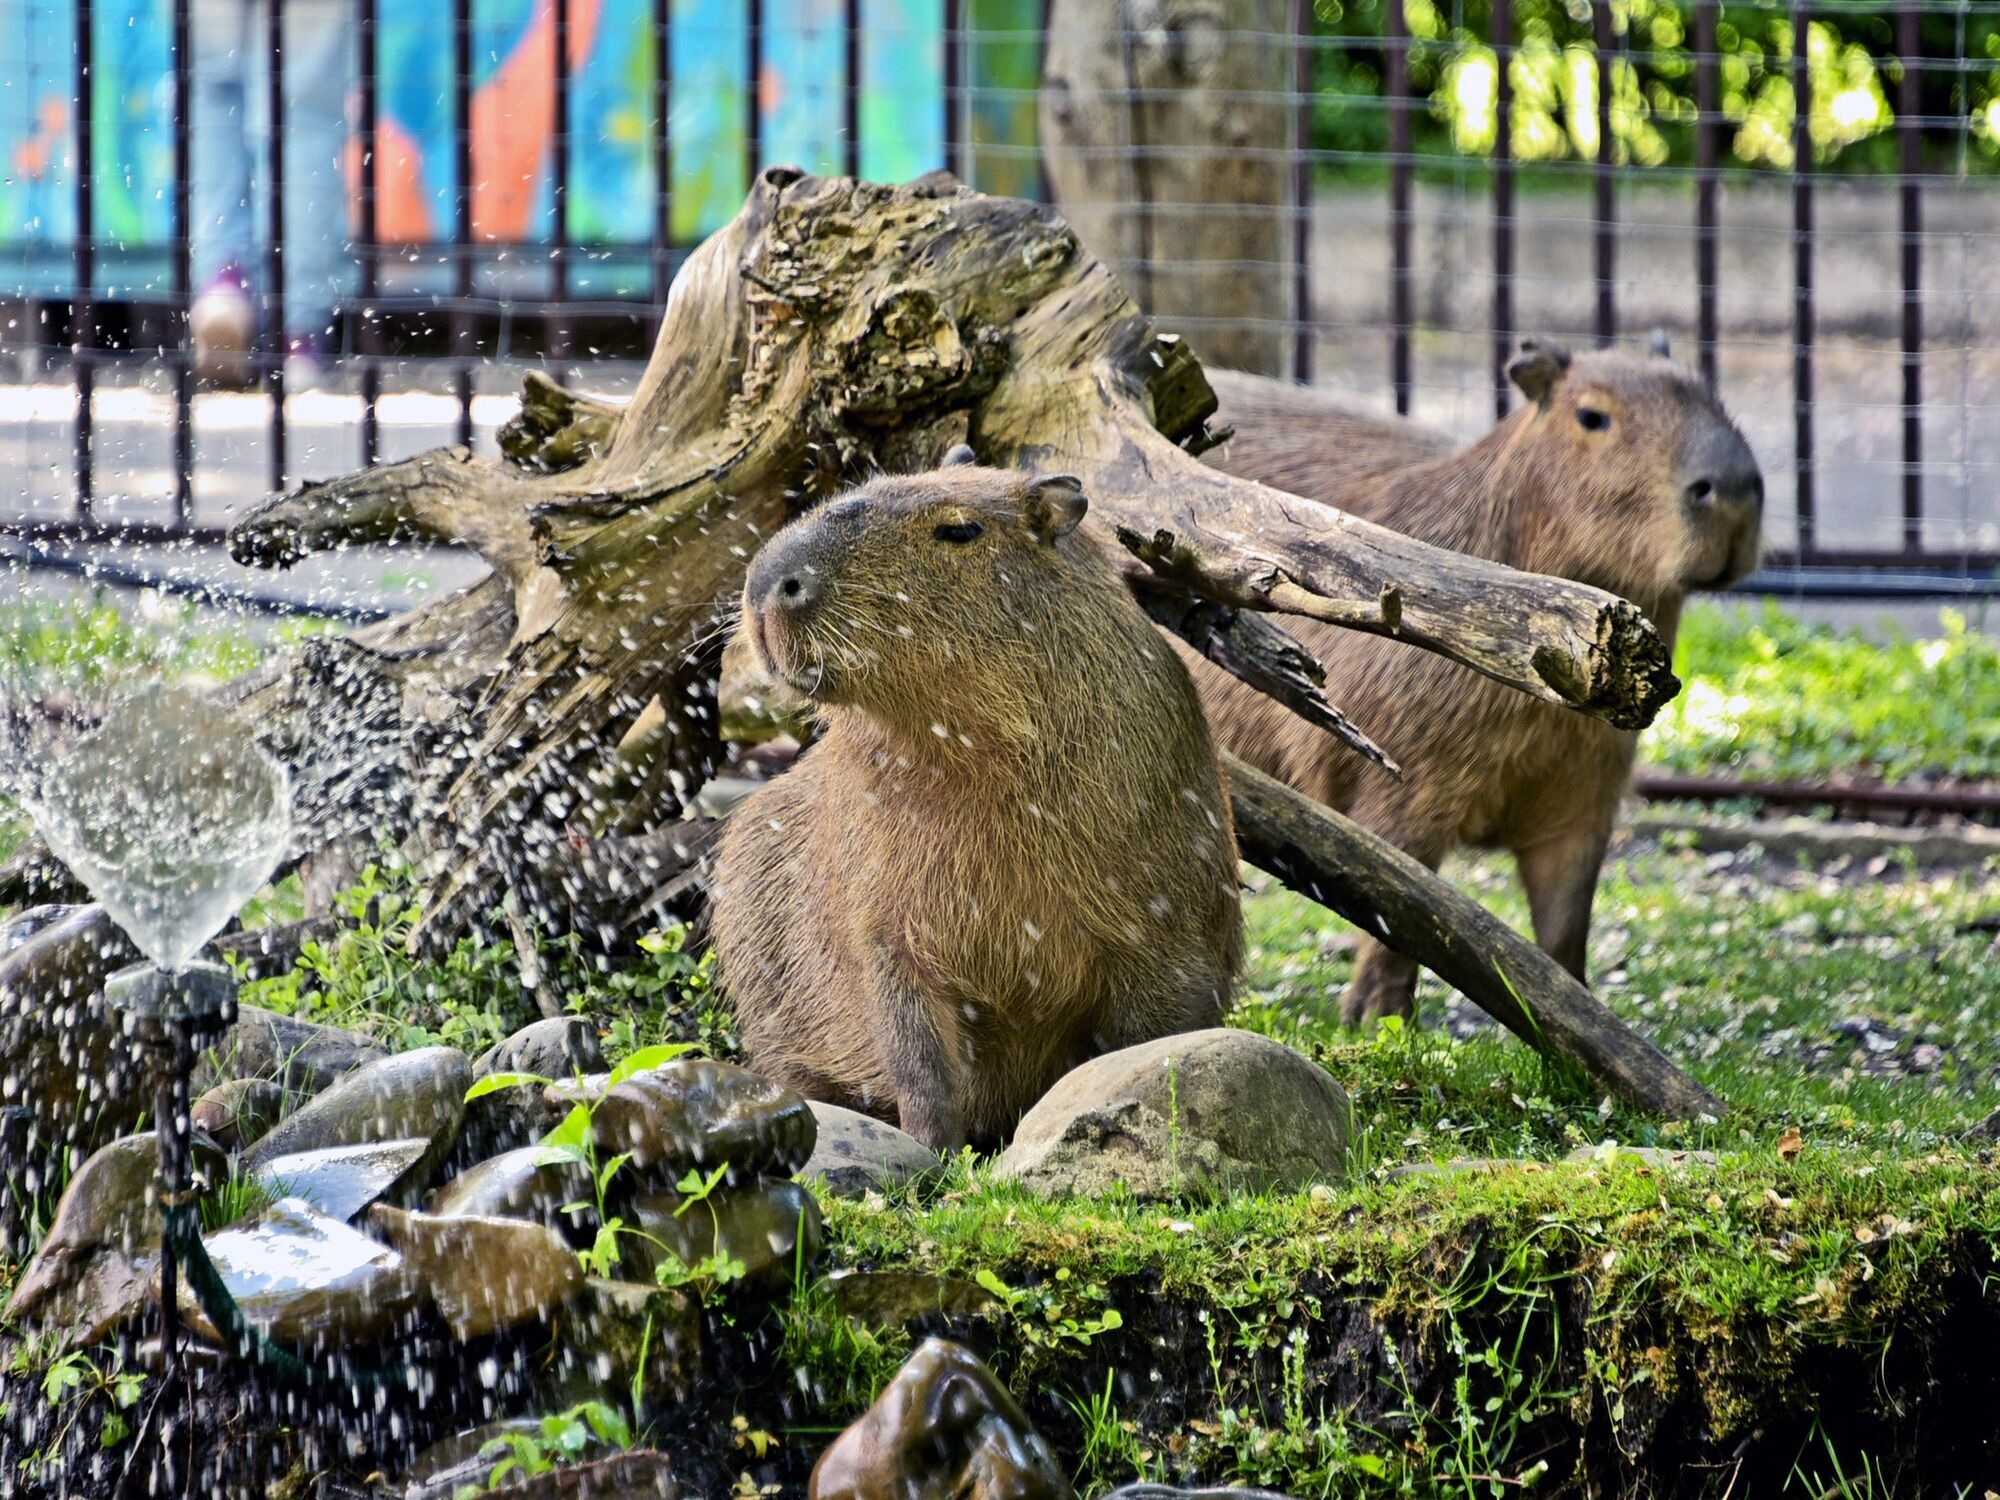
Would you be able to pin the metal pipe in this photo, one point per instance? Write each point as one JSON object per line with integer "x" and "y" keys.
{"x": 1503, "y": 204}
{"x": 1605, "y": 215}
{"x": 663, "y": 159}
{"x": 954, "y": 89}
{"x": 183, "y": 264}
{"x": 1302, "y": 84}
{"x": 1396, "y": 43}
{"x": 1707, "y": 133}
{"x": 83, "y": 273}
{"x": 274, "y": 248}
{"x": 1909, "y": 131}
{"x": 1802, "y": 283}
{"x": 464, "y": 337}
{"x": 1661, "y": 786}
{"x": 559, "y": 342}
{"x": 370, "y": 250}
{"x": 753, "y": 123}
{"x": 850, "y": 120}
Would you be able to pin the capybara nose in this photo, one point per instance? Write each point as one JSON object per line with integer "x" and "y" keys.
{"x": 1726, "y": 475}
{"x": 796, "y": 591}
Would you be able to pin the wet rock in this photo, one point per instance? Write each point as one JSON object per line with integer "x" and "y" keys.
{"x": 484, "y": 1275}
{"x": 897, "y": 1299}
{"x": 96, "y": 1261}
{"x": 1988, "y": 1128}
{"x": 438, "y": 1471}
{"x": 445, "y": 1467}
{"x": 308, "y": 1281}
{"x": 303, "y": 1056}
{"x": 771, "y": 1226}
{"x": 241, "y": 1112}
{"x": 420, "y": 1093}
{"x": 636, "y": 1474}
{"x": 943, "y": 1429}
{"x": 624, "y": 1336}
{"x": 514, "y": 1117}
{"x": 1208, "y": 1110}
{"x": 695, "y": 1113}
{"x": 857, "y": 1154}
{"x": 521, "y": 1184}
{"x": 17, "y": 929}
{"x": 62, "y": 1048}
{"x": 340, "y": 1181}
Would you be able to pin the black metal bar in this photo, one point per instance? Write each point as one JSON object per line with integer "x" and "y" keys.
{"x": 1503, "y": 204}
{"x": 83, "y": 275}
{"x": 1909, "y": 129}
{"x": 274, "y": 245}
{"x": 1604, "y": 217}
{"x": 369, "y": 250}
{"x": 663, "y": 157}
{"x": 1707, "y": 138}
{"x": 753, "y": 124}
{"x": 559, "y": 327}
{"x": 1802, "y": 282}
{"x": 1402, "y": 307}
{"x": 850, "y": 21}
{"x": 1302, "y": 84}
{"x": 183, "y": 264}
{"x": 954, "y": 88}
{"x": 464, "y": 337}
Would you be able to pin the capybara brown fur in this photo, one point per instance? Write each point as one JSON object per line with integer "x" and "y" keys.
{"x": 1622, "y": 470}
{"x": 1010, "y": 848}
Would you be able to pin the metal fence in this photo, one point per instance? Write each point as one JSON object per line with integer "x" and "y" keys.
{"x": 1866, "y": 378}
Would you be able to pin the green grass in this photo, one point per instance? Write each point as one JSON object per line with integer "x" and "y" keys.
{"x": 1768, "y": 696}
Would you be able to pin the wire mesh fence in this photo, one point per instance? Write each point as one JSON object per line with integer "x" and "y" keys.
{"x": 1380, "y": 197}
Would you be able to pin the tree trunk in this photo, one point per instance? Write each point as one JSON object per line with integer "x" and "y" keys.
{"x": 1167, "y": 129}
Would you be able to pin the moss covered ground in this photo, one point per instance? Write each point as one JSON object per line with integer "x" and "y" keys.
{"x": 1807, "y": 1305}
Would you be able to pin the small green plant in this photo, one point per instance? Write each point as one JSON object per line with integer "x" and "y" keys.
{"x": 234, "y": 1199}
{"x": 74, "y": 1382}
{"x": 1112, "y": 1451}
{"x": 716, "y": 1269}
{"x": 561, "y": 1438}
{"x": 844, "y": 1364}
{"x": 1058, "y": 1309}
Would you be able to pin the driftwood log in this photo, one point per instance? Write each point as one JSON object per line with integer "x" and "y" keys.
{"x": 833, "y": 328}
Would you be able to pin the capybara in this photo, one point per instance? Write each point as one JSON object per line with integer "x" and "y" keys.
{"x": 1010, "y": 848}
{"x": 1622, "y": 470}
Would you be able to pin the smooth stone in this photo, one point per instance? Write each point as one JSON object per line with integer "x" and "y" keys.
{"x": 306, "y": 1280}
{"x": 693, "y": 1113}
{"x": 943, "y": 1429}
{"x": 563, "y": 1048}
{"x": 63, "y": 1051}
{"x": 559, "y": 1049}
{"x": 453, "y": 1463}
{"x": 635, "y": 1474}
{"x": 241, "y": 1112}
{"x": 624, "y": 1336}
{"x": 896, "y": 1299}
{"x": 1215, "y": 1111}
{"x": 438, "y": 1471}
{"x": 340, "y": 1181}
{"x": 302, "y": 1055}
{"x": 1659, "y": 1158}
{"x": 1988, "y": 1128}
{"x": 95, "y": 1263}
{"x": 483, "y": 1274}
{"x": 856, "y": 1154}
{"x": 760, "y": 1224}
{"x": 521, "y": 1184}
{"x": 420, "y": 1093}
{"x": 17, "y": 929}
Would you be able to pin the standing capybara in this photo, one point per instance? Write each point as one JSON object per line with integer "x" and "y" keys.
{"x": 1010, "y": 848}
{"x": 1622, "y": 471}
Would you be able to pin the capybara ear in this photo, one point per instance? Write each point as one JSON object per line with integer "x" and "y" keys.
{"x": 961, "y": 453}
{"x": 1657, "y": 344}
{"x": 1053, "y": 504}
{"x": 1537, "y": 368}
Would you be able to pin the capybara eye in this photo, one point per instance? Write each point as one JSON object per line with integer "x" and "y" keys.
{"x": 1591, "y": 419}
{"x": 958, "y": 532}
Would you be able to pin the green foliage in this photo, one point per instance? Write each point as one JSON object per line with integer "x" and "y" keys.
{"x": 561, "y": 1438}
{"x": 1765, "y": 695}
{"x": 88, "y": 639}
{"x": 1061, "y": 1309}
{"x": 234, "y": 1199}
{"x": 843, "y": 1364}
{"x": 76, "y": 1384}
{"x": 1851, "y": 60}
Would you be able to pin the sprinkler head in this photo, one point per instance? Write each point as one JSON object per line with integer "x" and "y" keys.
{"x": 198, "y": 999}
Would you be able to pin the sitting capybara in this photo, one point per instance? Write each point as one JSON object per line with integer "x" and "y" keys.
{"x": 1010, "y": 848}
{"x": 1622, "y": 471}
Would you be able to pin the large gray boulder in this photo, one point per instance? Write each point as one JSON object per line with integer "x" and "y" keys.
{"x": 856, "y": 1154}
{"x": 1205, "y": 1112}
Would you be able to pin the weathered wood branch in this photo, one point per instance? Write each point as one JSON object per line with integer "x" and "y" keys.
{"x": 832, "y": 328}
{"x": 1336, "y": 862}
